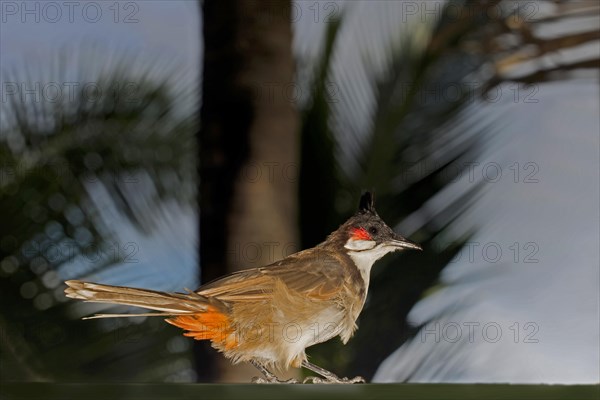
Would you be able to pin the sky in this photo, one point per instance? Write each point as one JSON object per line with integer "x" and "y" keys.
{"x": 36, "y": 28}
{"x": 546, "y": 309}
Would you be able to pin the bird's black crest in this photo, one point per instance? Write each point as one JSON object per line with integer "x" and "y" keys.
{"x": 367, "y": 202}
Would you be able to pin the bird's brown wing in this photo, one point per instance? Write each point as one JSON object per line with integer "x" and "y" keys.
{"x": 319, "y": 278}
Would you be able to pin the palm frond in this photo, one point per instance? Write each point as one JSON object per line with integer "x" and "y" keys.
{"x": 113, "y": 126}
{"x": 416, "y": 139}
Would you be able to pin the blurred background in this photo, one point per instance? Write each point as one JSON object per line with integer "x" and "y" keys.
{"x": 162, "y": 144}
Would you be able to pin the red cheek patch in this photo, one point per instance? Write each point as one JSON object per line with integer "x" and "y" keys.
{"x": 360, "y": 234}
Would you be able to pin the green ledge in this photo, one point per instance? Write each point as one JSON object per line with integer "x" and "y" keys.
{"x": 142, "y": 391}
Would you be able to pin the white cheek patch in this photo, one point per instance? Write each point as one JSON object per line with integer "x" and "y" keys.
{"x": 359, "y": 245}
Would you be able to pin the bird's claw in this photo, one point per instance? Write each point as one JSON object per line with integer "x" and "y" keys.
{"x": 257, "y": 379}
{"x": 334, "y": 380}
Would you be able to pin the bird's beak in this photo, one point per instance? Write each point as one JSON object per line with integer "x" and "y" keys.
{"x": 404, "y": 243}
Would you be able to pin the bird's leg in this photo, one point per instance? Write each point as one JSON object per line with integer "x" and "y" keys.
{"x": 269, "y": 376}
{"x": 330, "y": 377}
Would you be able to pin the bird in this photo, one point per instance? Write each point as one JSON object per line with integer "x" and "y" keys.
{"x": 268, "y": 316}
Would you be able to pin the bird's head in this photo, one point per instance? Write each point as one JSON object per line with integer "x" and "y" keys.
{"x": 367, "y": 232}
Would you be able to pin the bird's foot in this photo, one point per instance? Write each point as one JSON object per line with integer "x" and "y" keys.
{"x": 257, "y": 379}
{"x": 334, "y": 380}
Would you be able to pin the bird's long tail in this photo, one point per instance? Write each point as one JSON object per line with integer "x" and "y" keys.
{"x": 203, "y": 318}
{"x": 169, "y": 304}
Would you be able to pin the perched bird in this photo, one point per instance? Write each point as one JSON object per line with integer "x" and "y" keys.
{"x": 268, "y": 316}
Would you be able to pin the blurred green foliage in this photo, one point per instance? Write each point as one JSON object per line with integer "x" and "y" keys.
{"x": 113, "y": 135}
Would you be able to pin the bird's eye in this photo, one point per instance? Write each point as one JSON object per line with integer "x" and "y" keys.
{"x": 373, "y": 230}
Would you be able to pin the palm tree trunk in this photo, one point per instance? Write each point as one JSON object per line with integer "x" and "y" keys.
{"x": 248, "y": 144}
